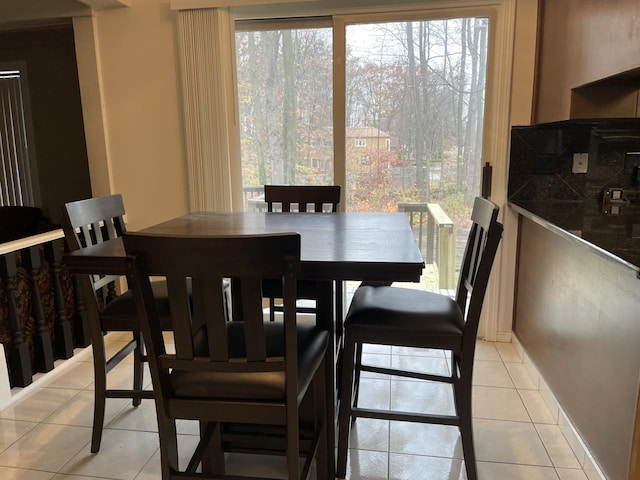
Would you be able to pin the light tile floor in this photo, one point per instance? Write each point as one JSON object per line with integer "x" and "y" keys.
{"x": 45, "y": 434}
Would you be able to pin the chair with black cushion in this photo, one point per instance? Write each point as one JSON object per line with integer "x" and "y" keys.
{"x": 231, "y": 376}
{"x": 303, "y": 199}
{"x": 89, "y": 222}
{"x": 404, "y": 317}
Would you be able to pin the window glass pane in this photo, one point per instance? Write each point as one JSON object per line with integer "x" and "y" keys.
{"x": 285, "y": 102}
{"x": 414, "y": 113}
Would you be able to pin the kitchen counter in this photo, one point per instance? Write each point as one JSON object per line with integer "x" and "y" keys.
{"x": 577, "y": 297}
{"x": 565, "y": 176}
{"x": 616, "y": 237}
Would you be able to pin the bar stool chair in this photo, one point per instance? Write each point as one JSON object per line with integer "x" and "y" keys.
{"x": 395, "y": 316}
{"x": 244, "y": 373}
{"x": 86, "y": 223}
{"x": 90, "y": 222}
{"x": 299, "y": 198}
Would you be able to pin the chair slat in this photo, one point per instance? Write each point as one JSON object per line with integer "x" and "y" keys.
{"x": 86, "y": 236}
{"x": 180, "y": 308}
{"x": 253, "y": 319}
{"x": 208, "y": 311}
{"x": 96, "y": 228}
{"x": 110, "y": 228}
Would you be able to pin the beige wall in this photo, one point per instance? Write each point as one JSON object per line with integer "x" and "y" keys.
{"x": 130, "y": 85}
{"x": 583, "y": 41}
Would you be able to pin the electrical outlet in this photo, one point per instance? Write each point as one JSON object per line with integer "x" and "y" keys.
{"x": 580, "y": 162}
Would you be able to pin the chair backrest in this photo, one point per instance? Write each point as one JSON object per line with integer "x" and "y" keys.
{"x": 204, "y": 338}
{"x": 301, "y": 196}
{"x": 92, "y": 221}
{"x": 477, "y": 261}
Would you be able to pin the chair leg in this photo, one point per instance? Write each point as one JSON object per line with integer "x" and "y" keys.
{"x": 455, "y": 380}
{"x": 168, "y": 447}
{"x": 138, "y": 367}
{"x": 346, "y": 391}
{"x": 356, "y": 373}
{"x": 213, "y": 457}
{"x": 99, "y": 391}
{"x": 293, "y": 441}
{"x": 218, "y": 452}
{"x": 319, "y": 402}
{"x": 464, "y": 407}
{"x": 339, "y": 305}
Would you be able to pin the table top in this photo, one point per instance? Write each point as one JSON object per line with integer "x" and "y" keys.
{"x": 334, "y": 246}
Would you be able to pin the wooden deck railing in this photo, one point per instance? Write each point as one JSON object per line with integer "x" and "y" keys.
{"x": 39, "y": 320}
{"x": 436, "y": 237}
{"x": 253, "y": 198}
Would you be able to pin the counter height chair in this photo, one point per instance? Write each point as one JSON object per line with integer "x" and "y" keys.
{"x": 224, "y": 374}
{"x": 86, "y": 223}
{"x": 304, "y": 199}
{"x": 394, "y": 316}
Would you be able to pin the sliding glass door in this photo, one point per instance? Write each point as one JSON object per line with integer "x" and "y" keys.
{"x": 414, "y": 108}
{"x": 392, "y": 110}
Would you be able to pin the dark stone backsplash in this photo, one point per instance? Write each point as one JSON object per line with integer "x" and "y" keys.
{"x": 542, "y": 182}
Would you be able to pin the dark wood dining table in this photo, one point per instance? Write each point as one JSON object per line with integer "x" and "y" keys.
{"x": 334, "y": 247}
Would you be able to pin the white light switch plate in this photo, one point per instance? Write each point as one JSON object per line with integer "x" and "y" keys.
{"x": 580, "y": 162}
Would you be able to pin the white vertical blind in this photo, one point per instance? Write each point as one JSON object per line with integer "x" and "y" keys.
{"x": 207, "y": 56}
{"x": 15, "y": 178}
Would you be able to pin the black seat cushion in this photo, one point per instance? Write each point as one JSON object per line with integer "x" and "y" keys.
{"x": 391, "y": 310}
{"x": 120, "y": 314}
{"x": 270, "y": 386}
